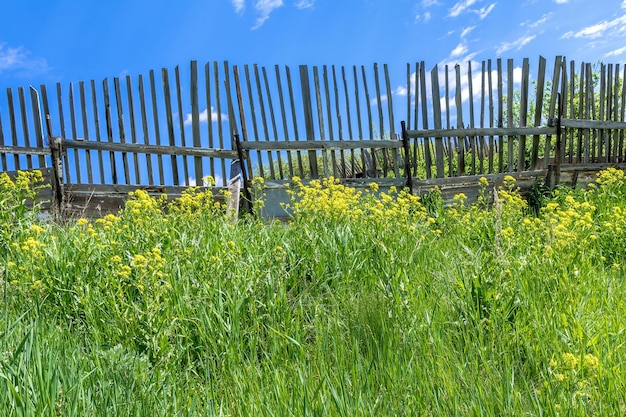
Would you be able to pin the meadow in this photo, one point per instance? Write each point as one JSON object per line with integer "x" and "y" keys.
{"x": 364, "y": 304}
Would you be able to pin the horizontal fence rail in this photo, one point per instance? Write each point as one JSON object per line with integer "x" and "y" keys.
{"x": 174, "y": 128}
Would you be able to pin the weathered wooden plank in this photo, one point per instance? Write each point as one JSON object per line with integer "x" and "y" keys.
{"x": 541, "y": 74}
{"x": 83, "y": 112}
{"x": 218, "y": 110}
{"x": 439, "y": 157}
{"x": 329, "y": 118}
{"x": 521, "y": 150}
{"x": 195, "y": 120}
{"x": 483, "y": 96}
{"x": 144, "y": 127}
{"x": 320, "y": 118}
{"x": 3, "y": 156}
{"x": 77, "y": 155}
{"x": 24, "y": 120}
{"x": 622, "y": 117}
{"x": 181, "y": 126}
{"x": 256, "y": 137}
{"x": 209, "y": 109}
{"x": 169, "y": 117}
{"x": 492, "y": 149}
{"x": 450, "y": 148}
{"x": 499, "y": 140}
{"x": 322, "y": 145}
{"x": 24, "y": 150}
{"x": 293, "y": 117}
{"x": 339, "y": 121}
{"x": 381, "y": 120}
{"x": 38, "y": 126}
{"x": 392, "y": 134}
{"x": 133, "y": 126}
{"x": 283, "y": 117}
{"x": 244, "y": 126}
{"x": 109, "y": 129}
{"x": 121, "y": 128}
{"x": 357, "y": 101}
{"x": 434, "y": 75}
{"x": 471, "y": 139}
{"x": 266, "y": 134}
{"x": 592, "y": 124}
{"x": 553, "y": 108}
{"x": 96, "y": 122}
{"x": 62, "y": 128}
{"x": 459, "y": 121}
{"x": 308, "y": 117}
{"x": 155, "y": 120}
{"x": 349, "y": 117}
{"x": 150, "y": 149}
{"x": 13, "y": 127}
{"x": 478, "y": 131}
{"x": 509, "y": 122}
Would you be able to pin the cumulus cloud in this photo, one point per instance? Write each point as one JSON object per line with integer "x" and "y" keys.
{"x": 20, "y": 60}
{"x": 204, "y": 117}
{"x": 598, "y": 30}
{"x": 516, "y": 44}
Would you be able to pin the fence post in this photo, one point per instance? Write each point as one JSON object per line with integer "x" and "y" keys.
{"x": 407, "y": 157}
{"x": 58, "y": 192}
{"x": 308, "y": 117}
{"x": 559, "y": 142}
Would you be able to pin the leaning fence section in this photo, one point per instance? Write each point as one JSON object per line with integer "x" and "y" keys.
{"x": 497, "y": 116}
{"x": 170, "y": 129}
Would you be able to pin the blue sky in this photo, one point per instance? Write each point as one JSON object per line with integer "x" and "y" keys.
{"x": 71, "y": 40}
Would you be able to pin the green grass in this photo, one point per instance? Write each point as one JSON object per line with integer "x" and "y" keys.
{"x": 379, "y": 306}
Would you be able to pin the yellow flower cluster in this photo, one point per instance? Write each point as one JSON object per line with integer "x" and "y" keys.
{"x": 575, "y": 374}
{"x": 329, "y": 199}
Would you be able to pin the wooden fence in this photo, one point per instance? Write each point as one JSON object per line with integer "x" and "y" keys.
{"x": 164, "y": 132}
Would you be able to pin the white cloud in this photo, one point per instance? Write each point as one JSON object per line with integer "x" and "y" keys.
{"x": 424, "y": 18}
{"x": 484, "y": 11}
{"x": 624, "y": 4}
{"x": 459, "y": 50}
{"x": 264, "y": 9}
{"x": 374, "y": 101}
{"x": 204, "y": 117}
{"x": 460, "y": 7}
{"x": 537, "y": 23}
{"x": 616, "y": 52}
{"x": 428, "y": 3}
{"x": 597, "y": 30}
{"x": 561, "y": 1}
{"x": 401, "y": 91}
{"x": 467, "y": 30}
{"x": 239, "y": 5}
{"x": 20, "y": 59}
{"x": 516, "y": 44}
{"x": 304, "y": 4}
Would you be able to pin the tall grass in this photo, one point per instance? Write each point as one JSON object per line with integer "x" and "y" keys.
{"x": 364, "y": 304}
